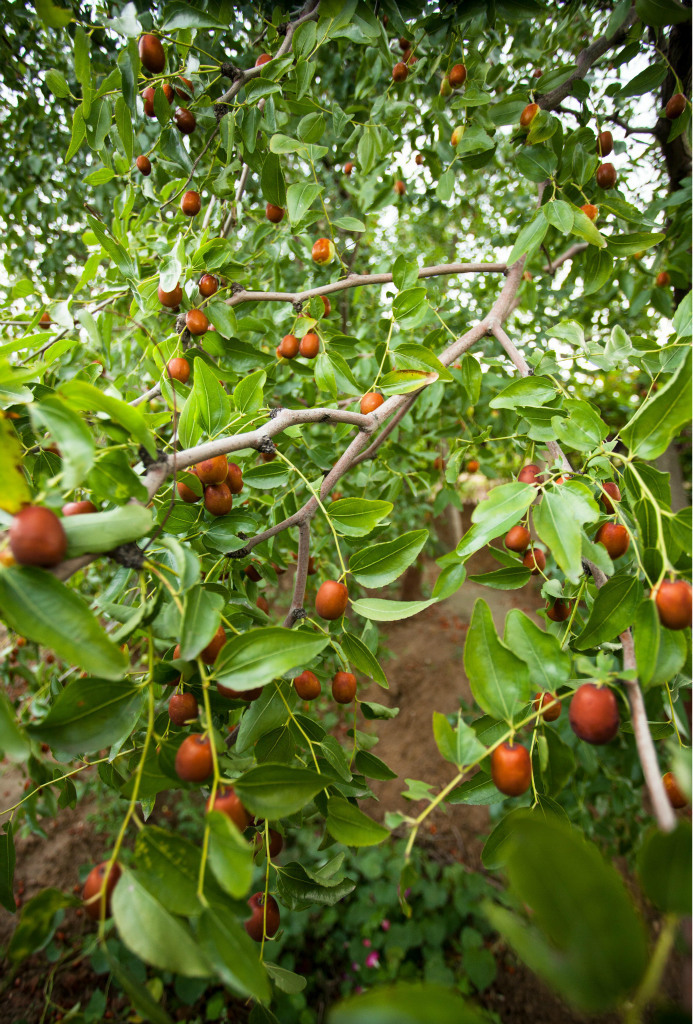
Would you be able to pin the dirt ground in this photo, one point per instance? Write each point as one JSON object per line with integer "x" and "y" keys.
{"x": 425, "y": 673}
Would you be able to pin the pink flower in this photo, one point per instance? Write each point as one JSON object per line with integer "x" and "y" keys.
{"x": 359, "y": 989}
{"x": 367, "y": 943}
{"x": 372, "y": 959}
{"x": 355, "y": 966}
{"x": 385, "y": 925}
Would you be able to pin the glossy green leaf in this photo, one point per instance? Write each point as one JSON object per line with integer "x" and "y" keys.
{"x": 511, "y": 577}
{"x": 349, "y": 825}
{"x": 499, "y": 679}
{"x": 275, "y": 791}
{"x": 380, "y": 564}
{"x": 152, "y": 933}
{"x": 168, "y": 866}
{"x": 201, "y": 619}
{"x": 255, "y": 658}
{"x": 70, "y": 433}
{"x": 213, "y": 406}
{"x": 503, "y": 508}
{"x": 613, "y": 611}
{"x": 659, "y": 419}
{"x": 7, "y": 862}
{"x": 381, "y": 610}
{"x": 36, "y": 605}
{"x": 557, "y": 520}
{"x": 299, "y": 199}
{"x": 548, "y": 664}
{"x": 357, "y": 517}
{"x": 300, "y": 888}
{"x": 89, "y": 714}
{"x": 232, "y": 954}
{"x": 646, "y": 636}
{"x": 362, "y": 658}
{"x": 230, "y": 855}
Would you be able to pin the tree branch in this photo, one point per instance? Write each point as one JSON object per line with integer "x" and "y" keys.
{"x": 296, "y": 610}
{"x": 585, "y": 59}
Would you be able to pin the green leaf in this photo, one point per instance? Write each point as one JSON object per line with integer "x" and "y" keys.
{"x": 357, "y": 517}
{"x": 57, "y": 84}
{"x": 13, "y": 743}
{"x": 142, "y": 1000}
{"x": 52, "y": 16}
{"x": 389, "y": 611}
{"x": 539, "y": 163}
{"x": 348, "y": 825}
{"x": 276, "y": 791}
{"x": 557, "y": 520}
{"x": 530, "y": 237}
{"x": 594, "y": 958}
{"x": 349, "y": 224}
{"x": 645, "y": 81}
{"x": 70, "y": 434}
{"x": 168, "y": 866}
{"x": 40, "y": 917}
{"x": 662, "y": 12}
{"x": 255, "y": 658}
{"x": 646, "y": 636}
{"x": 360, "y": 656}
{"x": 380, "y": 564}
{"x": 499, "y": 680}
{"x": 664, "y": 868}
{"x": 658, "y": 420}
{"x": 233, "y": 954}
{"x": 628, "y": 245}
{"x": 79, "y": 132}
{"x": 613, "y": 611}
{"x": 94, "y": 532}
{"x": 213, "y": 405}
{"x": 530, "y": 391}
{"x": 248, "y": 395}
{"x": 36, "y": 605}
{"x": 92, "y": 399}
{"x": 16, "y": 491}
{"x": 406, "y": 1003}
{"x": 7, "y": 862}
{"x": 152, "y": 933}
{"x": 201, "y": 618}
{"x": 230, "y": 855}
{"x": 549, "y": 665}
{"x": 599, "y": 265}
{"x": 404, "y": 382}
{"x": 409, "y": 306}
{"x": 371, "y": 766}
{"x": 560, "y": 215}
{"x": 300, "y": 198}
{"x": 511, "y": 577}
{"x": 503, "y": 508}
{"x": 272, "y": 181}
{"x": 89, "y": 714}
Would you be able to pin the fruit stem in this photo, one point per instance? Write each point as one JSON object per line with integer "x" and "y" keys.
{"x": 215, "y": 779}
{"x": 298, "y": 726}
{"x": 385, "y": 353}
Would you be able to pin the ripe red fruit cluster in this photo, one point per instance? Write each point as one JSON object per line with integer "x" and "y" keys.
{"x": 606, "y": 176}
{"x": 594, "y": 714}
{"x": 264, "y": 919}
{"x": 371, "y": 401}
{"x": 78, "y": 508}
{"x": 190, "y": 203}
{"x": 611, "y": 493}
{"x": 553, "y": 710}
{"x": 673, "y": 601}
{"x": 457, "y": 75}
{"x": 182, "y": 708}
{"x": 274, "y": 214}
{"x": 229, "y": 803}
{"x": 535, "y": 561}
{"x": 614, "y": 537}
{"x": 288, "y": 347}
{"x": 344, "y": 687}
{"x": 194, "y": 759}
{"x": 98, "y": 880}
{"x": 170, "y": 299}
{"x": 307, "y": 685}
{"x": 517, "y": 539}
{"x": 37, "y": 537}
{"x": 179, "y": 369}
{"x": 530, "y": 474}
{"x": 331, "y": 600}
{"x": 511, "y": 769}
